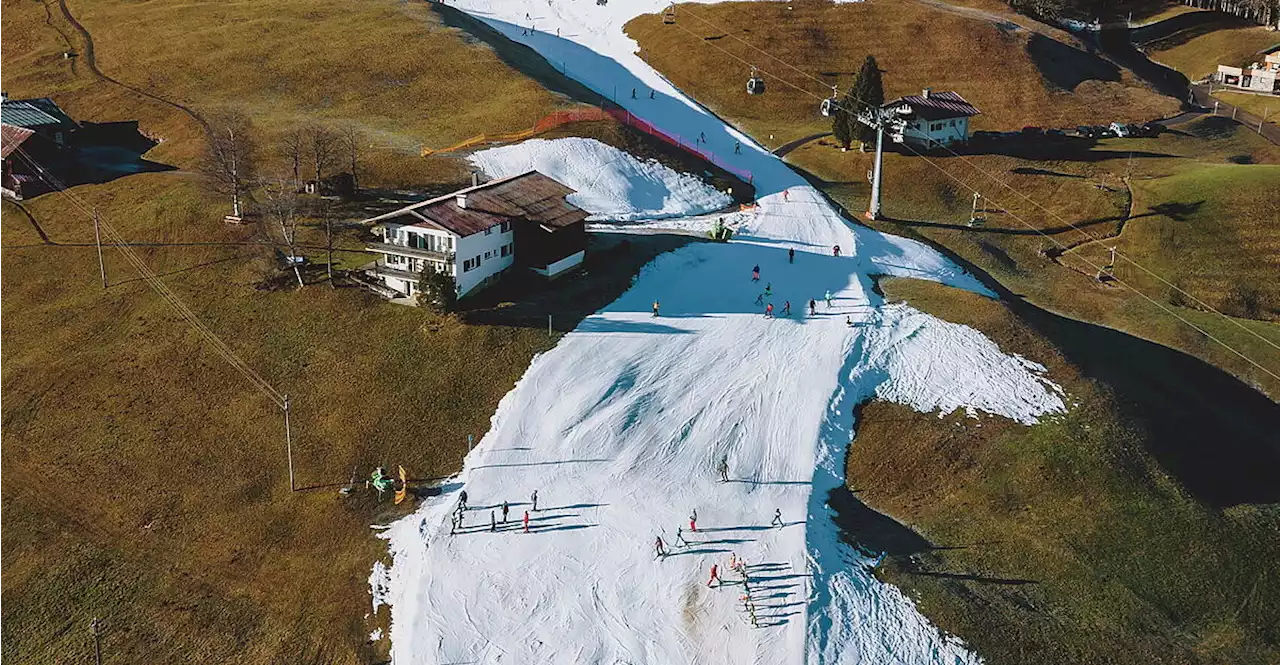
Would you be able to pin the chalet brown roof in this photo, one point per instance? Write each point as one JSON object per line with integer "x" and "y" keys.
{"x": 11, "y": 137}
{"x": 530, "y": 196}
{"x": 937, "y": 105}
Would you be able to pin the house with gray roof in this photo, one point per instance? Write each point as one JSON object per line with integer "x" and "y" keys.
{"x": 40, "y": 115}
{"x": 477, "y": 233}
{"x": 933, "y": 119}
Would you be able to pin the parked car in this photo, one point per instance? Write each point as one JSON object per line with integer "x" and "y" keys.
{"x": 1055, "y": 134}
{"x": 1119, "y": 129}
{"x": 1032, "y": 131}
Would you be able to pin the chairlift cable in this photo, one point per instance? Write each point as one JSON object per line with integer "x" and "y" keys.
{"x": 1006, "y": 210}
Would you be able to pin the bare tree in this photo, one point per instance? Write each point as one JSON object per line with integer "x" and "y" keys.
{"x": 322, "y": 148}
{"x": 282, "y": 207}
{"x": 351, "y": 139}
{"x": 228, "y": 161}
{"x": 294, "y": 146}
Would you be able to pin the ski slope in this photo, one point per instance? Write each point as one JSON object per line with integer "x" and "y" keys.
{"x": 611, "y": 184}
{"x": 620, "y": 428}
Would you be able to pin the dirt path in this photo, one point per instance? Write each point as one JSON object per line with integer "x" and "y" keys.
{"x": 91, "y": 63}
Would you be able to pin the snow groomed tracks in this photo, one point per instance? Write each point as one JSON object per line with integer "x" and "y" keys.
{"x": 621, "y": 428}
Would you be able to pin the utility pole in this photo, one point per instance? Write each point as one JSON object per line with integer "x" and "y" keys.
{"x": 97, "y": 240}
{"x": 328, "y": 234}
{"x": 549, "y": 325}
{"x": 1263, "y": 118}
{"x": 288, "y": 442}
{"x": 878, "y": 119}
{"x": 94, "y": 627}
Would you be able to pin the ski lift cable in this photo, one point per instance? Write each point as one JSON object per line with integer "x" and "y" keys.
{"x": 998, "y": 181}
{"x": 1006, "y": 210}
{"x": 158, "y": 285}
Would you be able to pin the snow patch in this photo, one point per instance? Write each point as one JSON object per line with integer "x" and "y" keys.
{"x": 612, "y": 184}
{"x": 375, "y": 635}
{"x": 379, "y": 585}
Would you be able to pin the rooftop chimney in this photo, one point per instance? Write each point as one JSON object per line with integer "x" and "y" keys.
{"x": 475, "y": 178}
{"x": 926, "y": 92}
{"x": 461, "y": 200}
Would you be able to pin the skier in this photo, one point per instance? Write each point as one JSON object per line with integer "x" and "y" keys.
{"x": 702, "y": 137}
{"x": 786, "y": 195}
{"x": 680, "y": 541}
{"x": 813, "y": 307}
{"x": 777, "y": 518}
{"x": 533, "y": 498}
{"x": 724, "y": 469}
{"x": 737, "y": 147}
{"x": 835, "y": 251}
{"x": 715, "y": 575}
{"x": 848, "y": 321}
{"x": 650, "y": 94}
{"x": 659, "y": 547}
{"x": 422, "y": 528}
{"x": 768, "y": 311}
{"x": 827, "y": 298}
{"x": 633, "y": 93}
{"x": 768, "y": 290}
{"x": 760, "y": 298}
{"x": 693, "y": 521}
{"x": 493, "y": 524}
{"x": 786, "y": 308}
{"x": 526, "y": 521}
{"x": 755, "y": 273}
{"x": 655, "y": 308}
{"x": 462, "y": 500}
{"x": 505, "y": 508}
{"x": 791, "y": 255}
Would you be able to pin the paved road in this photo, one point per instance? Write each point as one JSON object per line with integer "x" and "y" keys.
{"x": 1269, "y": 130}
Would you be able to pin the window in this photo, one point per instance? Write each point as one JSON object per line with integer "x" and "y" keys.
{"x": 488, "y": 231}
{"x": 935, "y": 126}
{"x": 506, "y": 250}
{"x": 488, "y": 255}
{"x": 506, "y": 227}
{"x": 470, "y": 264}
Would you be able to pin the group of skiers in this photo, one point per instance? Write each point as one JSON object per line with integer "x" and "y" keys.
{"x": 765, "y": 297}
{"x": 458, "y": 519}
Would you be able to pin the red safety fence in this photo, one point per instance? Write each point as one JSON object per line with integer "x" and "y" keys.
{"x": 553, "y": 120}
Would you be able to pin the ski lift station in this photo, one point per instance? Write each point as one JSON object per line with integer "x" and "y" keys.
{"x": 935, "y": 119}
{"x": 477, "y": 233}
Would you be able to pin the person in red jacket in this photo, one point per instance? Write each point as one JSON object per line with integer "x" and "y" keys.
{"x": 526, "y": 521}
{"x": 715, "y": 576}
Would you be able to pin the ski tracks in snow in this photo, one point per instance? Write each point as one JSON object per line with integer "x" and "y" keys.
{"x": 620, "y": 426}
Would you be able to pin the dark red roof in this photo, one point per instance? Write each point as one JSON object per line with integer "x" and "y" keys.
{"x": 11, "y": 137}
{"x": 531, "y": 196}
{"x": 938, "y": 105}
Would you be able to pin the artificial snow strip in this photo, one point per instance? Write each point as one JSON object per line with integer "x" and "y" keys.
{"x": 625, "y": 428}
{"x": 611, "y": 184}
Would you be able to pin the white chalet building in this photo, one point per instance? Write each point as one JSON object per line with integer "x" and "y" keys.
{"x": 935, "y": 119}
{"x": 475, "y": 234}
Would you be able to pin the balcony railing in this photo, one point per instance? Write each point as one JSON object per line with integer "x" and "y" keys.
{"x": 401, "y": 250}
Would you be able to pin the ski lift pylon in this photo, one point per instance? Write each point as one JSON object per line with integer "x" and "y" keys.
{"x": 829, "y": 104}
{"x": 669, "y": 16}
{"x": 755, "y": 84}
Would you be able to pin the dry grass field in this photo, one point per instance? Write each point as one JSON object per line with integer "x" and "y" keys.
{"x": 145, "y": 480}
{"x": 1082, "y": 539}
{"x": 1197, "y": 55}
{"x": 1015, "y": 77}
{"x": 1267, "y": 107}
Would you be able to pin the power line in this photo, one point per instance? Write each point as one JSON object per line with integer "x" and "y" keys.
{"x": 159, "y": 286}
{"x": 1002, "y": 208}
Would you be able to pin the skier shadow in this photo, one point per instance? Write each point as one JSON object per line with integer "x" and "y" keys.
{"x": 727, "y": 541}
{"x": 698, "y": 550}
{"x": 547, "y": 463}
{"x": 563, "y": 527}
{"x": 715, "y": 529}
